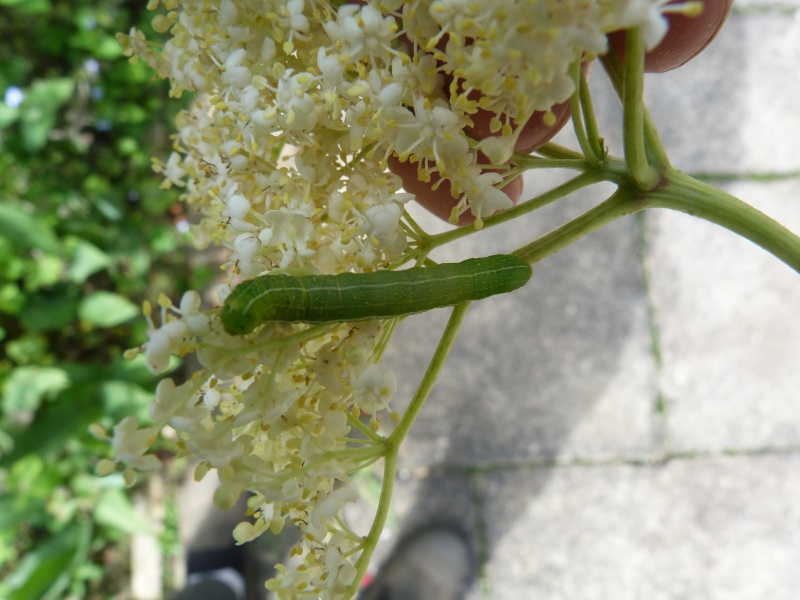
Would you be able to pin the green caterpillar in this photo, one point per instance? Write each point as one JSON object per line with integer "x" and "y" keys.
{"x": 362, "y": 296}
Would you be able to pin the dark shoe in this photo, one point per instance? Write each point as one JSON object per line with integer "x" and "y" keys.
{"x": 220, "y": 584}
{"x": 432, "y": 564}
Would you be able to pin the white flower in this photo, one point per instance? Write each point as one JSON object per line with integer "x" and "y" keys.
{"x": 297, "y": 20}
{"x": 247, "y": 532}
{"x": 131, "y": 445}
{"x": 247, "y": 249}
{"x": 190, "y": 302}
{"x": 173, "y": 170}
{"x": 329, "y": 506}
{"x": 362, "y": 31}
{"x": 162, "y": 342}
{"x": 331, "y": 68}
{"x": 289, "y": 232}
{"x": 648, "y": 15}
{"x": 296, "y": 102}
{"x": 434, "y": 131}
{"x": 235, "y": 74}
{"x": 170, "y": 399}
{"x": 481, "y": 192}
{"x": 383, "y": 224}
{"x": 373, "y": 388}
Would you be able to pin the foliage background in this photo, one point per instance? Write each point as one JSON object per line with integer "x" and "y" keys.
{"x": 86, "y": 233}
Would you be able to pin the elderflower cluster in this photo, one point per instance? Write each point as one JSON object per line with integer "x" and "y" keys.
{"x": 282, "y": 156}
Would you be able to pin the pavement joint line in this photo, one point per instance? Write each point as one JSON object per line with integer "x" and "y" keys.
{"x": 760, "y": 176}
{"x": 653, "y": 460}
{"x": 660, "y": 406}
{"x": 481, "y": 535}
{"x": 768, "y": 8}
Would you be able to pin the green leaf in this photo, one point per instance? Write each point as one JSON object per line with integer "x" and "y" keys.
{"x": 48, "y": 313}
{"x": 29, "y": 6}
{"x": 12, "y": 299}
{"x": 8, "y": 115}
{"x": 39, "y": 109}
{"x": 68, "y": 418}
{"x": 134, "y": 370}
{"x": 30, "y": 348}
{"x": 32, "y": 477}
{"x": 109, "y": 209}
{"x": 103, "y": 47}
{"x": 6, "y": 446}
{"x": 44, "y": 272}
{"x": 45, "y": 571}
{"x": 27, "y": 387}
{"x": 106, "y": 309}
{"x": 11, "y": 265}
{"x": 86, "y": 260}
{"x": 14, "y": 267}
{"x": 122, "y": 398}
{"x": 14, "y": 513}
{"x": 163, "y": 240}
{"x": 115, "y": 511}
{"x": 26, "y": 230}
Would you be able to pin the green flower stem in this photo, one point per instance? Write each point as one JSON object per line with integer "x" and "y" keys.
{"x": 553, "y": 150}
{"x": 356, "y": 454}
{"x": 684, "y": 194}
{"x": 577, "y": 119}
{"x": 434, "y": 368}
{"x": 366, "y": 431}
{"x": 688, "y": 195}
{"x": 621, "y": 203}
{"x": 394, "y": 441}
{"x": 419, "y": 231}
{"x": 371, "y": 540}
{"x": 534, "y": 162}
{"x": 645, "y": 176}
{"x": 653, "y": 146}
{"x": 303, "y": 335}
{"x": 386, "y": 336}
{"x": 587, "y": 108}
{"x": 573, "y": 185}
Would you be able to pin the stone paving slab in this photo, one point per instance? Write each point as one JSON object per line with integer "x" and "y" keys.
{"x": 706, "y": 529}
{"x": 560, "y": 368}
{"x": 734, "y": 108}
{"x": 438, "y": 499}
{"x": 773, "y": 6}
{"x": 728, "y": 317}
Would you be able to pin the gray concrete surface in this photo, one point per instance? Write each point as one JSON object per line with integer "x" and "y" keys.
{"x": 628, "y": 425}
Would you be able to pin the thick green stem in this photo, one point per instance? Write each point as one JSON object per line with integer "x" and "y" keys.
{"x": 693, "y": 197}
{"x": 645, "y": 176}
{"x": 653, "y": 146}
{"x": 622, "y": 202}
{"x": 394, "y": 441}
{"x": 684, "y": 194}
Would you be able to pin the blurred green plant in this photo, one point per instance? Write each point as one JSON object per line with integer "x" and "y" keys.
{"x": 86, "y": 233}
